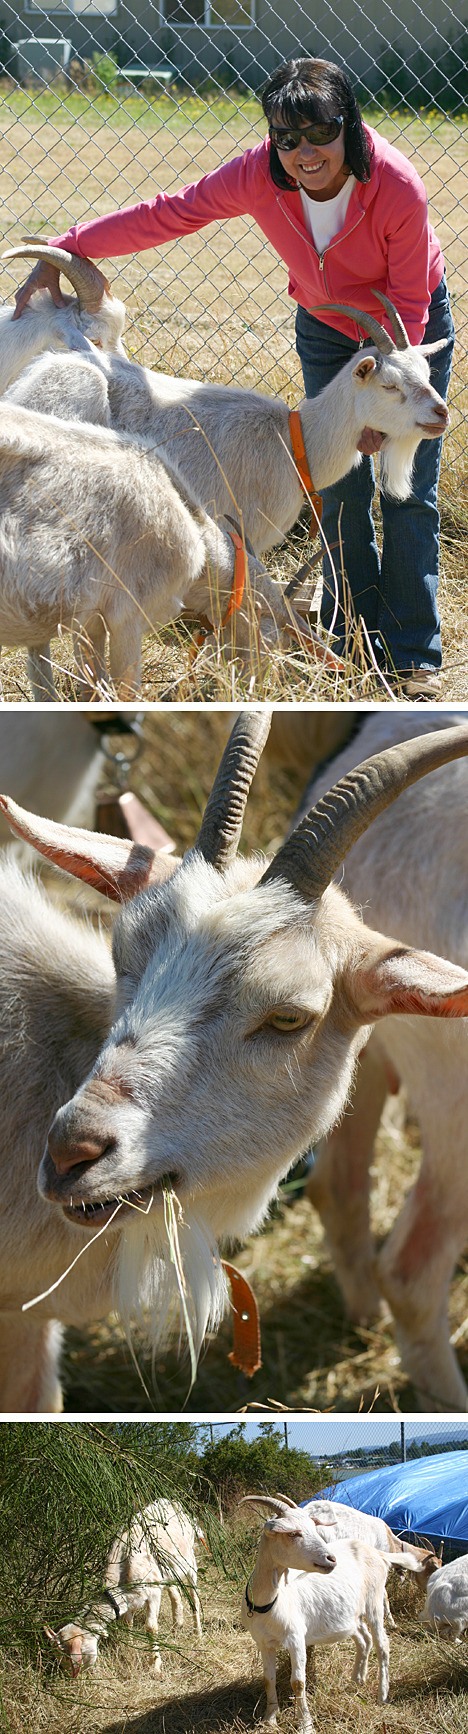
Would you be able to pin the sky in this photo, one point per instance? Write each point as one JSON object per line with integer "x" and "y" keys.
{"x": 339, "y": 1434}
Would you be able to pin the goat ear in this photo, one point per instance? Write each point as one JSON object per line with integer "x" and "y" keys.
{"x": 54, "y": 1637}
{"x": 433, "y": 348}
{"x": 393, "y": 978}
{"x": 117, "y": 867}
{"x": 364, "y": 368}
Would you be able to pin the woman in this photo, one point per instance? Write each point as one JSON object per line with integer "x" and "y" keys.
{"x": 348, "y": 214}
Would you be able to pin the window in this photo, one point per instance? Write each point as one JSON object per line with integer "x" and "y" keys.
{"x": 104, "y": 8}
{"x": 236, "y": 14}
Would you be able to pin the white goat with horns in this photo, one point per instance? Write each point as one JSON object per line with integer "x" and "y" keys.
{"x": 93, "y": 316}
{"x": 296, "y": 1598}
{"x": 235, "y": 445}
{"x": 223, "y": 1036}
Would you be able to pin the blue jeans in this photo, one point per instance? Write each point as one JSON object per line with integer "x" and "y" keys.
{"x": 396, "y": 594}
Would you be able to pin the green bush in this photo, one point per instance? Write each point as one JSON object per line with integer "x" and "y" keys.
{"x": 106, "y": 73}
{"x": 235, "y": 1465}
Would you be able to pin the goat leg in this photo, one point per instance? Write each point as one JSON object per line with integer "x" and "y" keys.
{"x": 41, "y": 675}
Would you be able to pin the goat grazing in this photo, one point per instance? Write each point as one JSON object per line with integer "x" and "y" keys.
{"x": 93, "y": 316}
{"x": 199, "y": 1063}
{"x": 98, "y": 531}
{"x": 446, "y": 1606}
{"x": 234, "y": 444}
{"x": 289, "y": 1603}
{"x": 409, "y": 875}
{"x": 157, "y": 1552}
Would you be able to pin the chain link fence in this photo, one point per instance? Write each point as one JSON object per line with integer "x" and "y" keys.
{"x": 103, "y": 105}
{"x": 357, "y": 1443}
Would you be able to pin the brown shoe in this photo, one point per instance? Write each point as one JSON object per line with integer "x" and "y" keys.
{"x": 422, "y": 685}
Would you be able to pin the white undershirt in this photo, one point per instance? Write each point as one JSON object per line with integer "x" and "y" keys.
{"x": 324, "y": 217}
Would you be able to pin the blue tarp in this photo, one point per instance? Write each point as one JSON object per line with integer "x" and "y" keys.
{"x": 427, "y": 1497}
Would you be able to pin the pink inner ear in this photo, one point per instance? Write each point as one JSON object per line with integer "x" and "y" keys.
{"x": 364, "y": 368}
{"x": 413, "y": 983}
{"x": 117, "y": 867}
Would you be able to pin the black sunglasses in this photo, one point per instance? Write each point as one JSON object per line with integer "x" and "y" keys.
{"x": 321, "y": 132}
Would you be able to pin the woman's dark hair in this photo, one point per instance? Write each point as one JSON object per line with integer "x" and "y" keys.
{"x": 308, "y": 90}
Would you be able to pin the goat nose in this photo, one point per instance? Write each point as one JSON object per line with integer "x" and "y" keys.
{"x": 72, "y": 1142}
{"x": 67, "y": 1153}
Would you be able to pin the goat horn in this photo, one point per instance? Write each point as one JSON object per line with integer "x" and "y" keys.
{"x": 310, "y": 857}
{"x": 380, "y": 337}
{"x": 86, "y": 279}
{"x": 240, "y": 532}
{"x": 282, "y": 1503}
{"x": 221, "y": 826}
{"x": 399, "y": 330}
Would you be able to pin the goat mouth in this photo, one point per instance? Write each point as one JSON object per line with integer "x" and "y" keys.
{"x": 434, "y": 429}
{"x": 140, "y": 1200}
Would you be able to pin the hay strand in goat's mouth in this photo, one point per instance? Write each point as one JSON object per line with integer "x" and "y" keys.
{"x": 83, "y": 1249}
{"x": 173, "y": 1215}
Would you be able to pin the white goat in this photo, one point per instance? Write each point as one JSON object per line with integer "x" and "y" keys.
{"x": 289, "y": 1604}
{"x": 409, "y": 877}
{"x": 236, "y": 444}
{"x": 93, "y": 316}
{"x": 446, "y": 1606}
{"x": 345, "y": 1522}
{"x": 98, "y": 531}
{"x": 157, "y": 1552}
{"x": 224, "y": 1038}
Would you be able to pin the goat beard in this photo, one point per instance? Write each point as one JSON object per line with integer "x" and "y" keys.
{"x": 147, "y": 1291}
{"x": 396, "y": 466}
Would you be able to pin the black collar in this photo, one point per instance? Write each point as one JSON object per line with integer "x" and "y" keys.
{"x": 253, "y": 1609}
{"x": 108, "y": 1597}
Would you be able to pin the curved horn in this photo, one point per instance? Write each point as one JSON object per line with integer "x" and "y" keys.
{"x": 400, "y": 333}
{"x": 374, "y": 330}
{"x": 86, "y": 279}
{"x": 310, "y": 857}
{"x": 282, "y": 1503}
{"x": 240, "y": 532}
{"x": 221, "y": 826}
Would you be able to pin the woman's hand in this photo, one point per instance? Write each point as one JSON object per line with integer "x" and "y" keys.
{"x": 43, "y": 276}
{"x": 370, "y": 441}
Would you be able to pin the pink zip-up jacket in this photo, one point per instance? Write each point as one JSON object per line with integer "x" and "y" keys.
{"x": 386, "y": 241}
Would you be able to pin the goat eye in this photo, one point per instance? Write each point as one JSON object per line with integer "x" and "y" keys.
{"x": 287, "y": 1020}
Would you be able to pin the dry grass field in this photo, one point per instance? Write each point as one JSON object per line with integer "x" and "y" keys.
{"x": 312, "y": 1357}
{"x": 216, "y": 306}
{"x": 213, "y": 1686}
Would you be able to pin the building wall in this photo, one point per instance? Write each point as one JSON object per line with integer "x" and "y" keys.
{"x": 251, "y": 51}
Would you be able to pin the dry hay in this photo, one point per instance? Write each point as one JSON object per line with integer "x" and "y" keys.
{"x": 214, "y": 1686}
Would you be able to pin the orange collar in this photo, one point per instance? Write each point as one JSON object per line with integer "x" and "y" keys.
{"x": 240, "y": 574}
{"x": 237, "y": 592}
{"x": 302, "y": 466}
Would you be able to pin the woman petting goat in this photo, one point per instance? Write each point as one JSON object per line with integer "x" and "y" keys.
{"x": 348, "y": 214}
